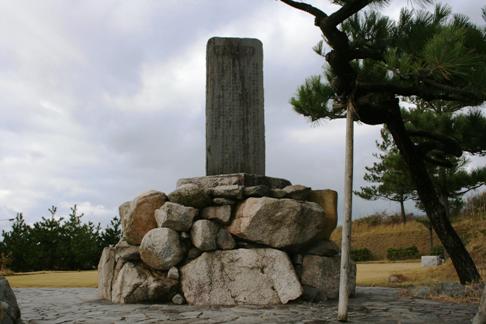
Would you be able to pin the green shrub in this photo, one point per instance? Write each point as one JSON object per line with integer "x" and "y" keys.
{"x": 437, "y": 250}
{"x": 361, "y": 254}
{"x": 410, "y": 252}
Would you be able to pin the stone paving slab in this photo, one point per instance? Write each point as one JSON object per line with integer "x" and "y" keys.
{"x": 371, "y": 305}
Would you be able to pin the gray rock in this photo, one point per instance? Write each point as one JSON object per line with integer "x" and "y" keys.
{"x": 256, "y": 191}
{"x": 106, "y": 267}
{"x": 323, "y": 248}
{"x": 224, "y": 240}
{"x": 173, "y": 273}
{"x": 277, "y": 193}
{"x": 140, "y": 218}
{"x": 241, "y": 179}
{"x": 191, "y": 195}
{"x": 192, "y": 254}
{"x": 298, "y": 192}
{"x": 480, "y": 317}
{"x": 260, "y": 276}
{"x": 9, "y": 309}
{"x": 223, "y": 201}
{"x": 161, "y": 248}
{"x": 136, "y": 283}
{"x": 229, "y": 192}
{"x": 221, "y": 214}
{"x": 178, "y": 299}
{"x": 123, "y": 210}
{"x": 279, "y": 223}
{"x": 428, "y": 261}
{"x": 203, "y": 234}
{"x": 323, "y": 273}
{"x": 175, "y": 216}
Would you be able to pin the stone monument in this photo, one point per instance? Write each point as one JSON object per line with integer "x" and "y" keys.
{"x": 234, "y": 236}
{"x": 235, "y": 130}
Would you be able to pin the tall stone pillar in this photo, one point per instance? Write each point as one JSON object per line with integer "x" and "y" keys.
{"x": 235, "y": 130}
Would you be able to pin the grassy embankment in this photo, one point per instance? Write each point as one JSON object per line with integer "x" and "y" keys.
{"x": 378, "y": 238}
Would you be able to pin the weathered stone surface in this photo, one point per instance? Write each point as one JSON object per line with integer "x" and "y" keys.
{"x": 175, "y": 216}
{"x": 111, "y": 261}
{"x": 428, "y": 261}
{"x": 260, "y": 276}
{"x": 203, "y": 234}
{"x": 327, "y": 199}
{"x": 241, "y": 179}
{"x": 140, "y": 217}
{"x": 9, "y": 309}
{"x": 278, "y": 223}
{"x": 277, "y": 193}
{"x": 173, "y": 273}
{"x": 221, "y": 214}
{"x": 123, "y": 212}
{"x": 323, "y": 248}
{"x": 106, "y": 267}
{"x": 298, "y": 192}
{"x": 480, "y": 317}
{"x": 228, "y": 191}
{"x": 223, "y": 201}
{"x": 224, "y": 240}
{"x": 178, "y": 299}
{"x": 323, "y": 273}
{"x": 161, "y": 248}
{"x": 256, "y": 191}
{"x": 191, "y": 195}
{"x": 192, "y": 254}
{"x": 136, "y": 283}
{"x": 235, "y": 128}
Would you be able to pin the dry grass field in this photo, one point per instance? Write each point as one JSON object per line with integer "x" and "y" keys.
{"x": 54, "y": 279}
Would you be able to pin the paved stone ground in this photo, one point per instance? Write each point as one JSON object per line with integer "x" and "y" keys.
{"x": 372, "y": 305}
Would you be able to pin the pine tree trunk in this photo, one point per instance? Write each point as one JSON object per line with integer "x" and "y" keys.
{"x": 431, "y": 238}
{"x": 462, "y": 261}
{"x": 402, "y": 212}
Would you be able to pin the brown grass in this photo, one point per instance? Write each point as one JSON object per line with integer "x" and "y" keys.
{"x": 54, "y": 279}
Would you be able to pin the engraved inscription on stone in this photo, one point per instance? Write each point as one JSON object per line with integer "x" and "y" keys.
{"x": 235, "y": 130}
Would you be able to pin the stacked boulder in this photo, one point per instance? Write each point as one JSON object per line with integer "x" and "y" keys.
{"x": 225, "y": 240}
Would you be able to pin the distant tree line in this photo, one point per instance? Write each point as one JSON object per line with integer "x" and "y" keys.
{"x": 55, "y": 243}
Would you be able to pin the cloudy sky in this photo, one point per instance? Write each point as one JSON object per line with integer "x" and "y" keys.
{"x": 103, "y": 100}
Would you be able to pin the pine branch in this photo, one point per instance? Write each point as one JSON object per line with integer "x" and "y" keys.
{"x": 306, "y": 7}
{"x": 435, "y": 91}
{"x": 346, "y": 11}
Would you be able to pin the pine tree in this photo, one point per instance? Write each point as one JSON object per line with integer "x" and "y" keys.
{"x": 389, "y": 176}
{"x": 373, "y": 61}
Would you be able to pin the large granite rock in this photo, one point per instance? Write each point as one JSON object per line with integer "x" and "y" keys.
{"x": 123, "y": 210}
{"x": 112, "y": 260}
{"x": 480, "y": 317}
{"x": 322, "y": 275}
{"x": 221, "y": 214}
{"x": 327, "y": 199}
{"x": 136, "y": 283}
{"x": 279, "y": 223}
{"x": 298, "y": 192}
{"x": 323, "y": 248}
{"x": 175, "y": 216}
{"x": 203, "y": 235}
{"x": 161, "y": 248}
{"x": 243, "y": 276}
{"x": 241, "y": 179}
{"x": 140, "y": 218}
{"x": 9, "y": 309}
{"x": 191, "y": 195}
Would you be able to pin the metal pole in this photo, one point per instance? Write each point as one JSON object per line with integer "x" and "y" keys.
{"x": 346, "y": 231}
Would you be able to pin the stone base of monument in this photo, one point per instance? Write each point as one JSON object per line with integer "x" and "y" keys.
{"x": 225, "y": 240}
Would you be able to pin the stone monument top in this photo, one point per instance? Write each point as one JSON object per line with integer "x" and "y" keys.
{"x": 235, "y": 130}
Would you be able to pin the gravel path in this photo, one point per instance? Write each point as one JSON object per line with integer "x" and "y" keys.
{"x": 372, "y": 305}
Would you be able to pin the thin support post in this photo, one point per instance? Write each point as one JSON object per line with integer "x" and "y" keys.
{"x": 348, "y": 208}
